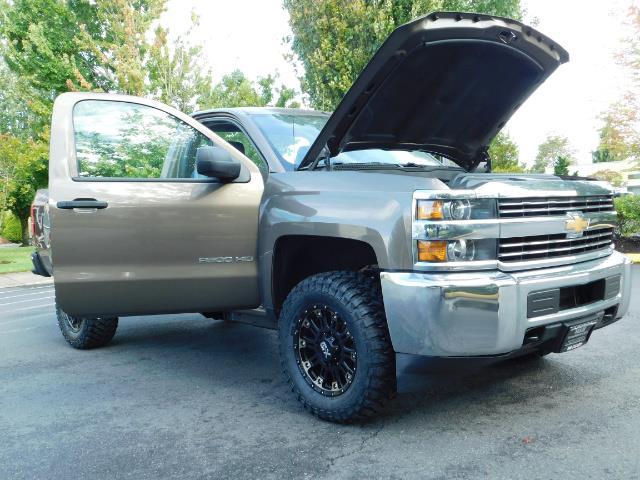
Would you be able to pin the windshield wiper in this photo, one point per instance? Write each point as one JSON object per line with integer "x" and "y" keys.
{"x": 410, "y": 166}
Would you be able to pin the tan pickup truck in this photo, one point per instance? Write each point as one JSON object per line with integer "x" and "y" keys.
{"x": 370, "y": 238}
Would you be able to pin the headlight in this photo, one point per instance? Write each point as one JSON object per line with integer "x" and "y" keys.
{"x": 462, "y": 250}
{"x": 456, "y": 209}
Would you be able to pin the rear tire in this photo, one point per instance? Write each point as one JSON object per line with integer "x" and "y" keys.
{"x": 85, "y": 333}
{"x": 353, "y": 375}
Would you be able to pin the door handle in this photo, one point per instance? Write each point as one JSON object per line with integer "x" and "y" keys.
{"x": 90, "y": 203}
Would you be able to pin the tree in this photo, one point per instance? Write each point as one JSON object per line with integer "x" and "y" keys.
{"x": 561, "y": 166}
{"x": 550, "y": 150}
{"x": 175, "y": 76}
{"x": 236, "y": 90}
{"x": 630, "y": 55}
{"x": 614, "y": 178}
{"x": 78, "y": 45}
{"x": 504, "y": 155}
{"x": 619, "y": 136}
{"x": 16, "y": 116}
{"x": 334, "y": 39}
{"x": 23, "y": 165}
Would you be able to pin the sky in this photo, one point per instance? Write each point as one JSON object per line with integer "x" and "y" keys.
{"x": 248, "y": 34}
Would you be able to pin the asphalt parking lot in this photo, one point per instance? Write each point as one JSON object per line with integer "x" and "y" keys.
{"x": 180, "y": 396}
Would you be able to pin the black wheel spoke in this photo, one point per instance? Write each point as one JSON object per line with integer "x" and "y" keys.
{"x": 327, "y": 351}
{"x": 313, "y": 325}
{"x": 335, "y": 373}
{"x": 310, "y": 340}
{"x": 346, "y": 368}
{"x": 323, "y": 319}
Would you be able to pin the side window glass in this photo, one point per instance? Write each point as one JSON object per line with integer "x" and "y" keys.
{"x": 236, "y": 137}
{"x": 128, "y": 140}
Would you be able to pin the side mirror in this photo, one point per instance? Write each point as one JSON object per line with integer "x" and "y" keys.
{"x": 217, "y": 162}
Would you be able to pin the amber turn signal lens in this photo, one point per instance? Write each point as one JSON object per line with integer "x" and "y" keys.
{"x": 430, "y": 210}
{"x": 429, "y": 251}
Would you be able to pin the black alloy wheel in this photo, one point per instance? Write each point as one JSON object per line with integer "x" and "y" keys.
{"x": 326, "y": 350}
{"x": 335, "y": 348}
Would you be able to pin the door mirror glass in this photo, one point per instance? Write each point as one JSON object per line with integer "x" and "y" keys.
{"x": 217, "y": 162}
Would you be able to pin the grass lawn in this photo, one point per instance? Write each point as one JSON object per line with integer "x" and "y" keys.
{"x": 635, "y": 257}
{"x": 15, "y": 259}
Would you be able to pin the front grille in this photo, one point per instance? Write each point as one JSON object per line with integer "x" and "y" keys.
{"x": 544, "y": 207}
{"x": 517, "y": 249}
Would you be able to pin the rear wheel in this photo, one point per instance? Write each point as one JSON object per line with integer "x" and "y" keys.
{"x": 335, "y": 348}
{"x": 86, "y": 332}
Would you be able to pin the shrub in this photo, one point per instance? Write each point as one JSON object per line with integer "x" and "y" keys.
{"x": 11, "y": 229}
{"x": 628, "y": 208}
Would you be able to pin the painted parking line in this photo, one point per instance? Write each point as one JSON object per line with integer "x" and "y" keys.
{"x": 25, "y": 301}
{"x": 39, "y": 292}
{"x": 48, "y": 304}
{"x": 28, "y": 318}
{"x": 24, "y": 288}
{"x": 20, "y": 330}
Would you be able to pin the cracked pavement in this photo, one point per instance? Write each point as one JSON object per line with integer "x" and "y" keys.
{"x": 180, "y": 396}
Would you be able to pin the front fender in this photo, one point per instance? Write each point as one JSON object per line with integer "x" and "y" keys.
{"x": 371, "y": 208}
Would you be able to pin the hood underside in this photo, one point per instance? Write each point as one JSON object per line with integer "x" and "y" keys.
{"x": 445, "y": 83}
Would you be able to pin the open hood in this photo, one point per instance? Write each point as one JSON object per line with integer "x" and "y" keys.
{"x": 445, "y": 83}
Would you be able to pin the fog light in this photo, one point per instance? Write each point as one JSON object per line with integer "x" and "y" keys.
{"x": 429, "y": 251}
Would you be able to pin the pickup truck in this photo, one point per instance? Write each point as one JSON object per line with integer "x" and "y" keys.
{"x": 370, "y": 237}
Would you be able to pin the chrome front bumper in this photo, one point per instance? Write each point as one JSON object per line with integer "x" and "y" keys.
{"x": 485, "y": 313}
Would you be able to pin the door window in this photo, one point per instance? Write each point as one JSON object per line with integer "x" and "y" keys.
{"x": 232, "y": 134}
{"x": 128, "y": 140}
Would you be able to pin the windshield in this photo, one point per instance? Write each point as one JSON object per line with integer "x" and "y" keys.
{"x": 290, "y": 137}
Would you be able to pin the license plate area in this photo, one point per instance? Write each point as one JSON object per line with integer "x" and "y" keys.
{"x": 577, "y": 333}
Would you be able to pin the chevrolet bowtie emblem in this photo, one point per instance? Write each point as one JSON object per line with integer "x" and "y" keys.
{"x": 576, "y": 224}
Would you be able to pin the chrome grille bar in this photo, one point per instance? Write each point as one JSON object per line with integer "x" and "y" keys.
{"x": 534, "y": 207}
{"x": 556, "y": 245}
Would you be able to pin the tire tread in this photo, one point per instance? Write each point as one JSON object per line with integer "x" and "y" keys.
{"x": 360, "y": 293}
{"x": 95, "y": 332}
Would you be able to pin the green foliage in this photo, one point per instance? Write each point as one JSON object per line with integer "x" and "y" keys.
{"x": 561, "y": 166}
{"x": 619, "y": 136}
{"x": 78, "y": 44}
{"x": 11, "y": 228}
{"x": 236, "y": 90}
{"x": 18, "y": 116}
{"x": 334, "y": 39}
{"x": 602, "y": 155}
{"x": 550, "y": 150}
{"x": 24, "y": 168}
{"x": 504, "y": 155}
{"x": 175, "y": 76}
{"x": 628, "y": 208}
{"x": 614, "y": 178}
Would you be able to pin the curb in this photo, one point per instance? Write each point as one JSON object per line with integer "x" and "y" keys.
{"x": 22, "y": 279}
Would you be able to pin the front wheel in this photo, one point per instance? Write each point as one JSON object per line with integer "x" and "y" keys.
{"x": 335, "y": 348}
{"x": 86, "y": 332}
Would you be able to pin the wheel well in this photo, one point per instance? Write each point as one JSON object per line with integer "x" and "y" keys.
{"x": 296, "y": 257}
